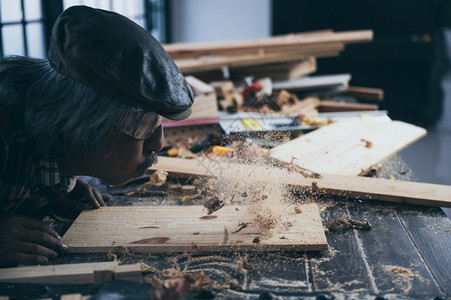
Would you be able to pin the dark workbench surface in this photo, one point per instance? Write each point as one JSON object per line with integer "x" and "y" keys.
{"x": 406, "y": 255}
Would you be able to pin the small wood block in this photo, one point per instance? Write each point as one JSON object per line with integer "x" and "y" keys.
{"x": 71, "y": 297}
{"x": 128, "y": 272}
{"x": 188, "y": 190}
{"x": 102, "y": 276}
{"x": 199, "y": 87}
{"x": 175, "y": 188}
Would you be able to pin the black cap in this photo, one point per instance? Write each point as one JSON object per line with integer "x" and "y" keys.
{"x": 116, "y": 56}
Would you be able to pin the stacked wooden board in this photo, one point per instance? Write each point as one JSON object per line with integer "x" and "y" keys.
{"x": 198, "y": 57}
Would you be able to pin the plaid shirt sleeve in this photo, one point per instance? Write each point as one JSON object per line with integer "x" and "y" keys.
{"x": 22, "y": 190}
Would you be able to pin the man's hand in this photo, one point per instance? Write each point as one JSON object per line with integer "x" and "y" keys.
{"x": 27, "y": 241}
{"x": 91, "y": 194}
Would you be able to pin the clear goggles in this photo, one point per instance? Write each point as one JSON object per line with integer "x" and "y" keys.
{"x": 138, "y": 123}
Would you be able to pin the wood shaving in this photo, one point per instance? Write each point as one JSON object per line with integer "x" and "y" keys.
{"x": 241, "y": 226}
{"x": 213, "y": 204}
{"x": 226, "y": 236}
{"x": 349, "y": 223}
{"x": 158, "y": 178}
{"x": 291, "y": 167}
{"x": 367, "y": 143}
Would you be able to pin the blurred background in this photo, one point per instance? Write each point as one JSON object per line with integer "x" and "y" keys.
{"x": 408, "y": 58}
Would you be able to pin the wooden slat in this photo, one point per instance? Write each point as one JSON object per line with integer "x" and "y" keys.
{"x": 366, "y": 93}
{"x": 204, "y": 64}
{"x": 212, "y": 48}
{"x": 56, "y": 274}
{"x": 338, "y": 148}
{"x": 431, "y": 233}
{"x": 336, "y": 106}
{"x": 341, "y": 185}
{"x": 278, "y": 71}
{"x": 392, "y": 257}
{"x": 313, "y": 82}
{"x": 181, "y": 228}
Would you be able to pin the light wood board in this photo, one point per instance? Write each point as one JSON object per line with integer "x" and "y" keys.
{"x": 338, "y": 148}
{"x": 177, "y": 50}
{"x": 313, "y": 82}
{"x": 330, "y": 184}
{"x": 158, "y": 229}
{"x": 57, "y": 274}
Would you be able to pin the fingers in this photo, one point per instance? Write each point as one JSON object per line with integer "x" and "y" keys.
{"x": 28, "y": 241}
{"x": 43, "y": 239}
{"x": 27, "y": 253}
{"x": 95, "y": 197}
{"x": 35, "y": 225}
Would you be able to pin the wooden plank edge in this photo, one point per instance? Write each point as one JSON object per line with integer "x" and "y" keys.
{"x": 194, "y": 248}
{"x": 338, "y": 185}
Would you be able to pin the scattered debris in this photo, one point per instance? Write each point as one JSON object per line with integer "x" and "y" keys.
{"x": 158, "y": 178}
{"x": 349, "y": 223}
{"x": 208, "y": 217}
{"x": 176, "y": 288}
{"x": 213, "y": 204}
{"x": 291, "y": 167}
{"x": 367, "y": 143}
{"x": 256, "y": 240}
{"x": 241, "y": 226}
{"x": 189, "y": 198}
{"x": 226, "y": 236}
{"x": 235, "y": 286}
{"x": 145, "y": 268}
{"x": 188, "y": 190}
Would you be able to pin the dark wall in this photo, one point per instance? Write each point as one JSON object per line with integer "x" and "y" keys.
{"x": 406, "y": 59}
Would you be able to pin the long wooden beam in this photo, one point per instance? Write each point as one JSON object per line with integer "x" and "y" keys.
{"x": 340, "y": 185}
{"x": 210, "y": 48}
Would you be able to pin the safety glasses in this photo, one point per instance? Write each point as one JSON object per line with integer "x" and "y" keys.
{"x": 138, "y": 123}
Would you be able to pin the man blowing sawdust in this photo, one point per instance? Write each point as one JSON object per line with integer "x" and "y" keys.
{"x": 94, "y": 107}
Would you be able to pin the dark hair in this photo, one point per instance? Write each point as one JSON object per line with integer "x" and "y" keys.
{"x": 56, "y": 108}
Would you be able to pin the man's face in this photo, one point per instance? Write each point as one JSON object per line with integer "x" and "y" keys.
{"x": 126, "y": 157}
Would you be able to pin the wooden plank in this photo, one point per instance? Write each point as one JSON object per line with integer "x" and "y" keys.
{"x": 199, "y": 87}
{"x": 56, "y": 274}
{"x": 313, "y": 82}
{"x": 393, "y": 259}
{"x": 204, "y": 107}
{"x": 277, "y": 71}
{"x": 343, "y": 267}
{"x": 348, "y": 147}
{"x": 188, "y": 66}
{"x": 213, "y": 48}
{"x": 336, "y": 106}
{"x": 430, "y": 231}
{"x": 340, "y": 185}
{"x": 366, "y": 93}
{"x": 164, "y": 229}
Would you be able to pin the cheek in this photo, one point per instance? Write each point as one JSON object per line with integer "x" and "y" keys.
{"x": 126, "y": 154}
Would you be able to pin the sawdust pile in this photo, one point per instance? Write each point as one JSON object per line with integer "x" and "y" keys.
{"x": 241, "y": 187}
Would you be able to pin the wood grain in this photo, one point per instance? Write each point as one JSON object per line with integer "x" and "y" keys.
{"x": 341, "y": 148}
{"x": 160, "y": 229}
{"x": 341, "y": 185}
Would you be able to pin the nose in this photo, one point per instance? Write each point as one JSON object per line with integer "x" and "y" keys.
{"x": 156, "y": 141}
